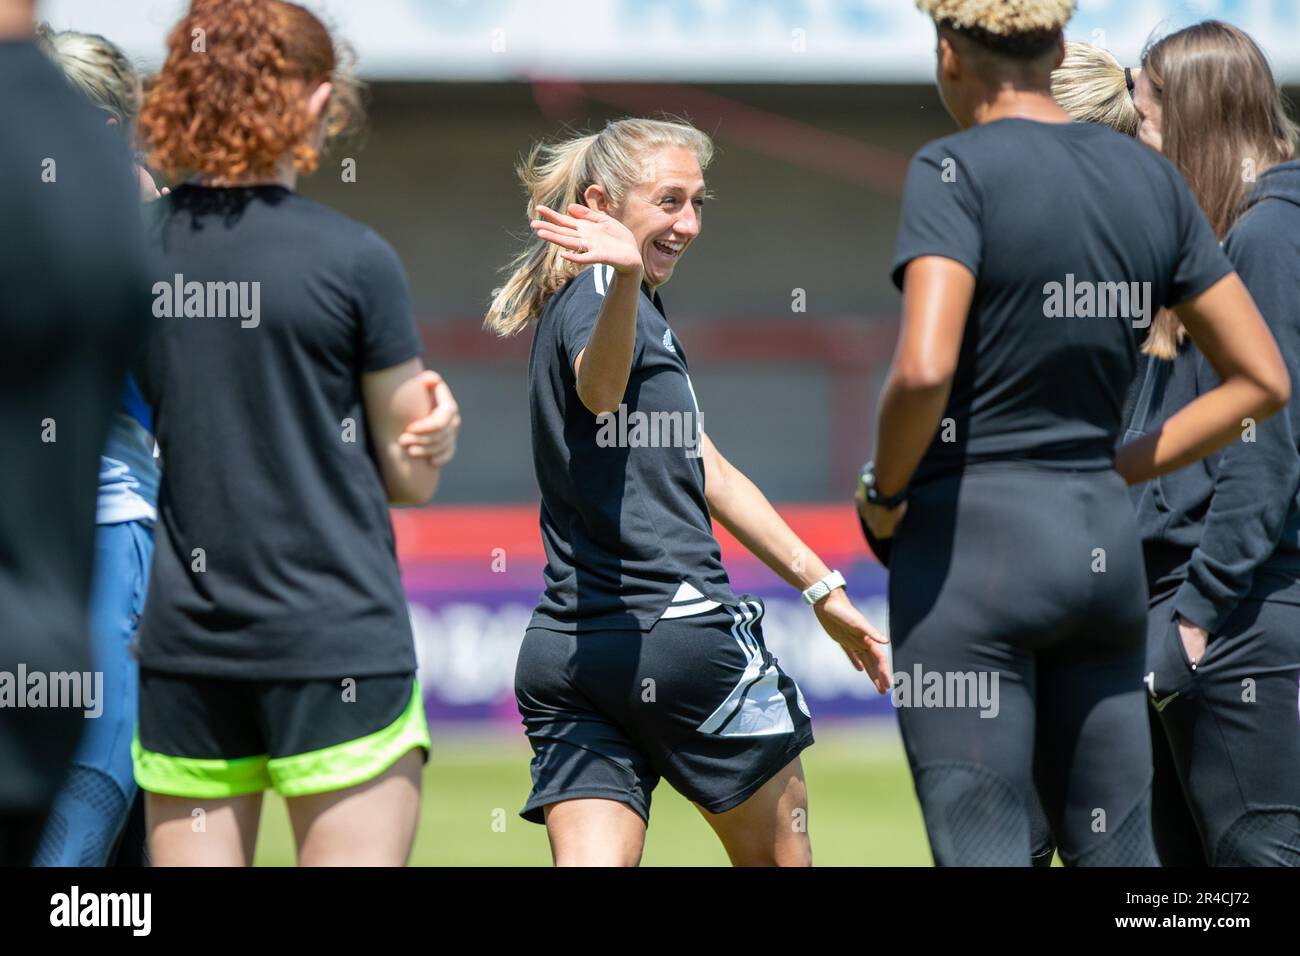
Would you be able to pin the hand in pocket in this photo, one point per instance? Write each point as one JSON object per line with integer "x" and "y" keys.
{"x": 1194, "y": 638}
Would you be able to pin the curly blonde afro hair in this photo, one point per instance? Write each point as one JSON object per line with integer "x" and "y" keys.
{"x": 1021, "y": 30}
{"x": 1003, "y": 18}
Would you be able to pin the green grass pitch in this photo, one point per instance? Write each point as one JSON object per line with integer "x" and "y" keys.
{"x": 862, "y": 809}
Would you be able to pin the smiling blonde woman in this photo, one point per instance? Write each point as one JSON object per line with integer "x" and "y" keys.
{"x": 640, "y": 662}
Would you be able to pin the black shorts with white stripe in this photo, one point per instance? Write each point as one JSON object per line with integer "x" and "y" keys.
{"x": 697, "y": 700}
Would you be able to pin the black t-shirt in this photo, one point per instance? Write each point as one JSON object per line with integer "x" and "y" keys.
{"x": 1076, "y": 235}
{"x": 274, "y": 555}
{"x": 74, "y": 307}
{"x": 624, "y": 519}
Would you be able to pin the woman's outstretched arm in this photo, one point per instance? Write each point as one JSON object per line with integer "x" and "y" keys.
{"x": 937, "y": 295}
{"x": 745, "y": 511}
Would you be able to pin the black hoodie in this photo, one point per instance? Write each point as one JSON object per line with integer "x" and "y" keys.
{"x": 1228, "y": 527}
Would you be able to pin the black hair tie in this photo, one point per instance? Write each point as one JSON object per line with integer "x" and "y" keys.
{"x": 1128, "y": 79}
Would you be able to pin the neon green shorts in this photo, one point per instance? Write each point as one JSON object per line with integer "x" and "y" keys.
{"x": 296, "y": 737}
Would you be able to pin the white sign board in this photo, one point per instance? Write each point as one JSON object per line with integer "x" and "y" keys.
{"x": 676, "y": 40}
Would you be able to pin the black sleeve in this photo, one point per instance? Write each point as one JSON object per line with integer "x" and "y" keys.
{"x": 388, "y": 333}
{"x": 941, "y": 213}
{"x": 1201, "y": 261}
{"x": 1257, "y": 479}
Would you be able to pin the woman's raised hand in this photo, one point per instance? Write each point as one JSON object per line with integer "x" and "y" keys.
{"x": 586, "y": 236}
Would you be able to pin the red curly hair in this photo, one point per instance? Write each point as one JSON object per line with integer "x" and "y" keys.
{"x": 226, "y": 104}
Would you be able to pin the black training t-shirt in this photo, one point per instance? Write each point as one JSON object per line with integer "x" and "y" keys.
{"x": 274, "y": 555}
{"x": 624, "y": 519}
{"x": 1076, "y": 235}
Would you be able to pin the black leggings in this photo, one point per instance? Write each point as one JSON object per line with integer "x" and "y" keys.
{"x": 1178, "y": 842}
{"x": 1018, "y": 614}
{"x": 1227, "y": 739}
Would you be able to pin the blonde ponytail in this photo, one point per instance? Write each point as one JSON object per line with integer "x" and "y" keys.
{"x": 552, "y": 176}
{"x": 557, "y": 174}
{"x": 1093, "y": 87}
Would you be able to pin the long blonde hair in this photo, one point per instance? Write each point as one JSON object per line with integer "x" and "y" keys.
{"x": 1093, "y": 87}
{"x": 557, "y": 174}
{"x": 96, "y": 67}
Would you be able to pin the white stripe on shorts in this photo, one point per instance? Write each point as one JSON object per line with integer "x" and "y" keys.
{"x": 755, "y": 707}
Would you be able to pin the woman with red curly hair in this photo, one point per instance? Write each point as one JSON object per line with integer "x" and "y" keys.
{"x": 291, "y": 406}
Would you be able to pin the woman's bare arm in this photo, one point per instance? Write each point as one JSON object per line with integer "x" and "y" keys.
{"x": 743, "y": 510}
{"x": 587, "y": 236}
{"x": 937, "y": 295}
{"x": 394, "y": 398}
{"x": 1228, "y": 329}
{"x": 602, "y": 369}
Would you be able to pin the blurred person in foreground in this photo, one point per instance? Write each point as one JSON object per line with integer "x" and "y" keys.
{"x": 1016, "y": 557}
{"x": 75, "y": 308}
{"x": 291, "y": 406}
{"x": 93, "y": 804}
